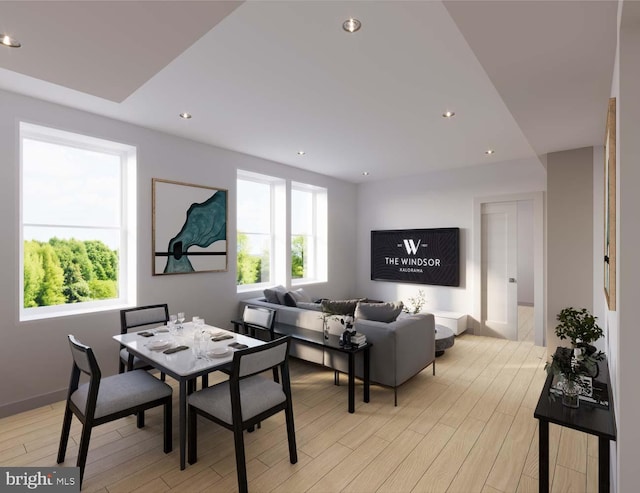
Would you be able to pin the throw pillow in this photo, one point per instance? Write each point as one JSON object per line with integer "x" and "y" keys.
{"x": 289, "y": 299}
{"x": 339, "y": 307}
{"x": 300, "y": 295}
{"x": 379, "y": 312}
{"x": 275, "y": 295}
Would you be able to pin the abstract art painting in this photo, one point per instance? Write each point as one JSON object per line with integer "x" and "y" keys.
{"x": 189, "y": 228}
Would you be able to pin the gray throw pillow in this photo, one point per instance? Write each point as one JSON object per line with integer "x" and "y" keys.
{"x": 300, "y": 295}
{"x": 379, "y": 312}
{"x": 339, "y": 307}
{"x": 275, "y": 295}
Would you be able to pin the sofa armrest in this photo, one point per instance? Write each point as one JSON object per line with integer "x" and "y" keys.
{"x": 400, "y": 349}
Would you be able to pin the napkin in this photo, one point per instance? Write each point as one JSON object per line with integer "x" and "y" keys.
{"x": 175, "y": 349}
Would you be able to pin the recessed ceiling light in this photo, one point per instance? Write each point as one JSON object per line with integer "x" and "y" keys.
{"x": 7, "y": 40}
{"x": 488, "y": 152}
{"x": 351, "y": 25}
{"x": 185, "y": 116}
{"x": 365, "y": 173}
{"x": 448, "y": 114}
{"x": 301, "y": 153}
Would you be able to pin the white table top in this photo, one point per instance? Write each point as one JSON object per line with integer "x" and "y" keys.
{"x": 184, "y": 363}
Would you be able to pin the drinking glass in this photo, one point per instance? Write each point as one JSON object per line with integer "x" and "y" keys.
{"x": 180, "y": 319}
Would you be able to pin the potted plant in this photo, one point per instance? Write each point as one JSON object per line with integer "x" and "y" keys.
{"x": 414, "y": 305}
{"x": 580, "y": 327}
{"x": 571, "y": 365}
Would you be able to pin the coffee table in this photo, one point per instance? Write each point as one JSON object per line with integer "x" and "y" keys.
{"x": 444, "y": 339}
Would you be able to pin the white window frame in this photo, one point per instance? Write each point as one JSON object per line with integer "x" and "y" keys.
{"x": 127, "y": 282}
{"x": 317, "y": 271}
{"x": 277, "y": 207}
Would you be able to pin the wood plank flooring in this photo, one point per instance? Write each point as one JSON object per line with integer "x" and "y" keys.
{"x": 468, "y": 429}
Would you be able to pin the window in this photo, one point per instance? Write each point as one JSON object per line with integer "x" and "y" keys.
{"x": 308, "y": 233}
{"x": 259, "y": 220}
{"x": 77, "y": 212}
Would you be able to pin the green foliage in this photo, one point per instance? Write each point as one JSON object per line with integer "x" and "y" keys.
{"x": 579, "y": 326}
{"x": 298, "y": 249}
{"x": 68, "y": 271}
{"x": 103, "y": 289}
{"x": 103, "y": 259}
{"x": 249, "y": 267}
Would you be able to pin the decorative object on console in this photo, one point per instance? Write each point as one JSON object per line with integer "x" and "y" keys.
{"x": 580, "y": 327}
{"x": 189, "y": 228}
{"x": 415, "y": 304}
{"x": 575, "y": 366}
{"x": 422, "y": 256}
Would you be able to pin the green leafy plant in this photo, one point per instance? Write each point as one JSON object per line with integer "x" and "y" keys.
{"x": 579, "y": 326}
{"x": 415, "y": 304}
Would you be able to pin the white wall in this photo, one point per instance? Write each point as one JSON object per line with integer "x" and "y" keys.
{"x": 34, "y": 356}
{"x": 434, "y": 200}
{"x": 569, "y": 234}
{"x": 525, "y": 252}
{"x": 624, "y": 336}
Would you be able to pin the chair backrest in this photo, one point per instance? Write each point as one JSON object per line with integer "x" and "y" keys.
{"x": 84, "y": 361}
{"x": 251, "y": 361}
{"x": 259, "y": 316}
{"x": 143, "y": 315}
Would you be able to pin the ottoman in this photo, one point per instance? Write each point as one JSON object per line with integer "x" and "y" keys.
{"x": 444, "y": 339}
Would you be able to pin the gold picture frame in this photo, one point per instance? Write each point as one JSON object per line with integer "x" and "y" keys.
{"x": 610, "y": 207}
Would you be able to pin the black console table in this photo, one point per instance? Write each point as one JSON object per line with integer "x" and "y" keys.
{"x": 594, "y": 418}
{"x": 332, "y": 343}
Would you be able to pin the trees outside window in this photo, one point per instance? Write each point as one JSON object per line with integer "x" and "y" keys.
{"x": 77, "y": 229}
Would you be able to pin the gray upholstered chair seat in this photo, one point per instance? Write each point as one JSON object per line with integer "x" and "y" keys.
{"x": 137, "y": 362}
{"x": 257, "y": 394}
{"x": 122, "y": 391}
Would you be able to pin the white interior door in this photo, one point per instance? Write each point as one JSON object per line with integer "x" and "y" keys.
{"x": 498, "y": 270}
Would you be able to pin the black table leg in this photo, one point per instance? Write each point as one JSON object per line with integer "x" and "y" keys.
{"x": 543, "y": 456}
{"x": 352, "y": 383}
{"x": 366, "y": 374}
{"x": 603, "y": 465}
{"x": 183, "y": 422}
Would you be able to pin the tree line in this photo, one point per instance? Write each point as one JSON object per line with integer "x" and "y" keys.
{"x": 64, "y": 271}
{"x": 253, "y": 269}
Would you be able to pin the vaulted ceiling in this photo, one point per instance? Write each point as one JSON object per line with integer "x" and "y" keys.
{"x": 271, "y": 79}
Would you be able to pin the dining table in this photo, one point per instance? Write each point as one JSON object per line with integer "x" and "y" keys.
{"x": 179, "y": 355}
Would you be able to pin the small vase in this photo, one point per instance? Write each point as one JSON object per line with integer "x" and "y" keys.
{"x": 570, "y": 394}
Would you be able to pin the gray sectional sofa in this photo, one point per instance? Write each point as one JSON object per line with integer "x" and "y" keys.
{"x": 401, "y": 348}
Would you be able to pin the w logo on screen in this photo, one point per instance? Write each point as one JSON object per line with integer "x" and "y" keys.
{"x": 411, "y": 246}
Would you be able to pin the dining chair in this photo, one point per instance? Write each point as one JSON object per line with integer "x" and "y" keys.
{"x": 246, "y": 399}
{"x": 260, "y": 318}
{"x": 139, "y": 317}
{"x": 101, "y": 400}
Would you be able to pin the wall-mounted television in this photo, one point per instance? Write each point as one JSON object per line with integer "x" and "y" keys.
{"x": 422, "y": 256}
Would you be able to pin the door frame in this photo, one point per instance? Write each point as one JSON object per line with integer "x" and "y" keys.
{"x": 539, "y": 299}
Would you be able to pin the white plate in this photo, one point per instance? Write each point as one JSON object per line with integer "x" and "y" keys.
{"x": 218, "y": 352}
{"x": 158, "y": 344}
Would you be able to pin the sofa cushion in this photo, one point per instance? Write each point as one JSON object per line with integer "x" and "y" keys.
{"x": 339, "y": 307}
{"x": 292, "y": 298}
{"x": 379, "y": 312}
{"x": 275, "y": 295}
{"x": 305, "y": 305}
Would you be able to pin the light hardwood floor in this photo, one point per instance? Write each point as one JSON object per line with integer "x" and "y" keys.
{"x": 468, "y": 429}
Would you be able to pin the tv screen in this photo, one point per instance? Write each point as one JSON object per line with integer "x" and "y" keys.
{"x": 423, "y": 256}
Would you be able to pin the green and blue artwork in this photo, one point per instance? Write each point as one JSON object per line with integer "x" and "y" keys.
{"x": 190, "y": 221}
